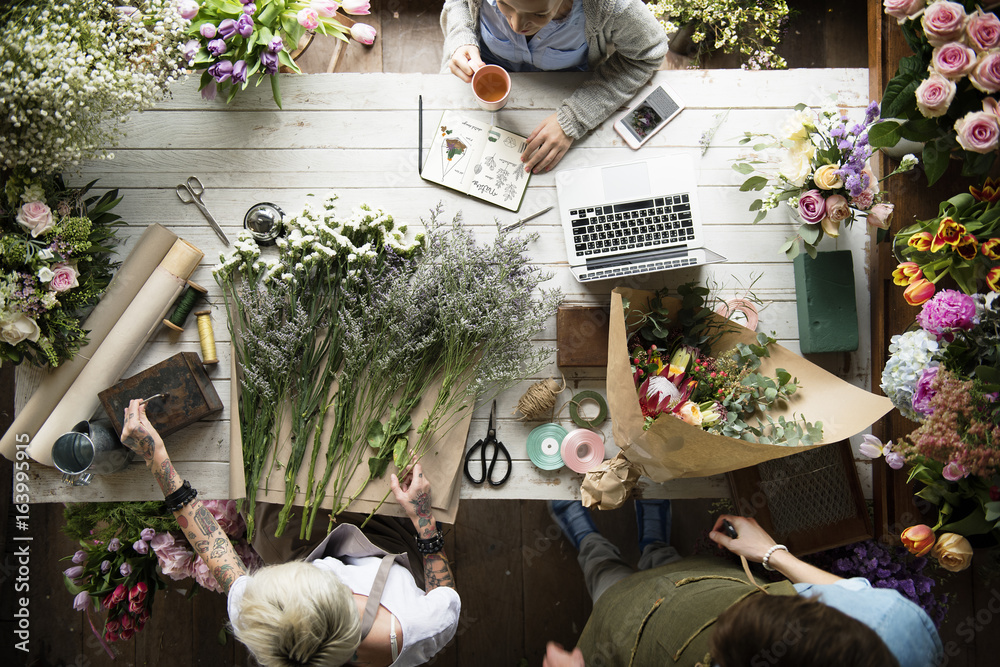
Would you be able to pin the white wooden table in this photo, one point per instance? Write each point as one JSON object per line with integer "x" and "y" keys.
{"x": 357, "y": 135}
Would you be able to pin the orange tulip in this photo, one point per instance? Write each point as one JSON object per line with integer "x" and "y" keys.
{"x": 906, "y": 273}
{"x": 967, "y": 247}
{"x": 918, "y": 291}
{"x": 990, "y": 191}
{"x": 921, "y": 241}
{"x": 918, "y": 539}
{"x": 949, "y": 233}
{"x": 993, "y": 279}
{"x": 991, "y": 248}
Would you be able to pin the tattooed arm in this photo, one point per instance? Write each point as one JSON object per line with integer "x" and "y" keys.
{"x": 207, "y": 538}
{"x": 414, "y": 494}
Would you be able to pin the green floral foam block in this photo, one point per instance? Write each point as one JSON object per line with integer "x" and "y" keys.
{"x": 827, "y": 309}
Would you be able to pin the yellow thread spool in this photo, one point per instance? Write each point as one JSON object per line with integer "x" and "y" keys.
{"x": 207, "y": 337}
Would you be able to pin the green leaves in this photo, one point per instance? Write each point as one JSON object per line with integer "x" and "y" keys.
{"x": 753, "y": 183}
{"x": 885, "y": 134}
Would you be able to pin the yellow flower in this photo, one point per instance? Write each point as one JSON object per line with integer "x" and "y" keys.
{"x": 826, "y": 177}
{"x": 953, "y": 552}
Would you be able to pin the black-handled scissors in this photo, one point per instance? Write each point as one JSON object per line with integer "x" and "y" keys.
{"x": 486, "y": 473}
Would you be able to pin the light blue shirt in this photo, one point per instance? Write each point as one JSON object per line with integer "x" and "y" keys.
{"x": 560, "y": 45}
{"x": 902, "y": 625}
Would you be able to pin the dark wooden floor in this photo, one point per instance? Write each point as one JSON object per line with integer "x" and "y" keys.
{"x": 518, "y": 579}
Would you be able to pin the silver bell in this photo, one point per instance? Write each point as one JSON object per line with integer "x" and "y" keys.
{"x": 263, "y": 220}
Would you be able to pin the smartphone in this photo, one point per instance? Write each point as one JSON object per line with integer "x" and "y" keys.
{"x": 643, "y": 120}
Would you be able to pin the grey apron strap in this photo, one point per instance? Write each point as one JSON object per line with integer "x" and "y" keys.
{"x": 375, "y": 595}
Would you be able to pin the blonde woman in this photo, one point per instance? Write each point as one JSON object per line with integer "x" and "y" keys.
{"x": 345, "y": 604}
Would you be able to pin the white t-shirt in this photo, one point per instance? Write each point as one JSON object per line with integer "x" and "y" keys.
{"x": 428, "y": 620}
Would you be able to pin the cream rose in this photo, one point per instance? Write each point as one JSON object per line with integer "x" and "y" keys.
{"x": 880, "y": 215}
{"x": 64, "y": 277}
{"x": 797, "y": 127}
{"x": 36, "y": 217}
{"x": 19, "y": 329}
{"x": 826, "y": 177}
{"x": 953, "y": 552}
{"x": 797, "y": 164}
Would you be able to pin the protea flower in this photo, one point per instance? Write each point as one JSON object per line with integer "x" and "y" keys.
{"x": 657, "y": 395}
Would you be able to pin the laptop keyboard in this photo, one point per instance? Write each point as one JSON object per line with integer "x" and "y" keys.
{"x": 632, "y": 269}
{"x": 647, "y": 223}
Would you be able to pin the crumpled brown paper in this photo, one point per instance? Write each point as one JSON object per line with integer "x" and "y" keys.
{"x": 608, "y": 486}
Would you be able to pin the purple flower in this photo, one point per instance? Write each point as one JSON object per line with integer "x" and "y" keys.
{"x": 79, "y": 557}
{"x": 269, "y": 61}
{"x": 227, "y": 28}
{"x": 221, "y": 70}
{"x": 244, "y": 25}
{"x": 812, "y": 206}
{"x": 190, "y": 49}
{"x": 81, "y": 601}
{"x": 249, "y": 8}
{"x": 147, "y": 534}
{"x": 947, "y": 311}
{"x": 240, "y": 71}
{"x": 209, "y": 91}
{"x": 74, "y": 572}
{"x": 208, "y": 30}
{"x": 140, "y": 547}
{"x": 217, "y": 47}
{"x": 105, "y": 566}
{"x": 276, "y": 45}
{"x": 188, "y": 9}
{"x": 125, "y": 569}
{"x": 871, "y": 113}
{"x": 894, "y": 460}
{"x": 923, "y": 394}
{"x": 114, "y": 544}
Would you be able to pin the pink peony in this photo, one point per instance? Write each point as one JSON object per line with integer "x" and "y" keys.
{"x": 199, "y": 570}
{"x": 902, "y": 9}
{"x": 943, "y": 22}
{"x": 64, "y": 277}
{"x": 953, "y": 60}
{"x": 934, "y": 95}
{"x": 924, "y": 391}
{"x": 812, "y": 207}
{"x": 978, "y": 132}
{"x": 986, "y": 75}
{"x": 983, "y": 30}
{"x": 36, "y": 217}
{"x": 364, "y": 33}
{"x": 172, "y": 555}
{"x": 948, "y": 311}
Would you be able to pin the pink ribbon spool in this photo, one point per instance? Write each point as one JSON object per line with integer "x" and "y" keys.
{"x": 582, "y": 450}
{"x": 744, "y": 306}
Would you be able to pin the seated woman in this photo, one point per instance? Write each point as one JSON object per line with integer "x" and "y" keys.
{"x": 558, "y": 35}
{"x": 312, "y": 613}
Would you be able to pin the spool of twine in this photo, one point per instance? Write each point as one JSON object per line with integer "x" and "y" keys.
{"x": 539, "y": 399}
{"x": 185, "y": 304}
{"x": 207, "y": 337}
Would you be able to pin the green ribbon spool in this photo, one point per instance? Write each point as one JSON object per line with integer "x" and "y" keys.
{"x": 574, "y": 409}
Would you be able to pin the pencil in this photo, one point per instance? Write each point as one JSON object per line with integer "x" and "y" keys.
{"x": 420, "y": 132}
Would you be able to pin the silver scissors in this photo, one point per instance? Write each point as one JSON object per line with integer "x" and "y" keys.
{"x": 190, "y": 192}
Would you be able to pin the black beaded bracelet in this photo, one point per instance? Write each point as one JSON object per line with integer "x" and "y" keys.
{"x": 180, "y": 497}
{"x": 431, "y": 545}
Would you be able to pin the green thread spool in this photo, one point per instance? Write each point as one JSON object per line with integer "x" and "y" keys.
{"x": 185, "y": 304}
{"x": 580, "y": 420}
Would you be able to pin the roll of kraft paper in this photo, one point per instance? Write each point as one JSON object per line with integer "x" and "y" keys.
{"x": 146, "y": 255}
{"x": 119, "y": 348}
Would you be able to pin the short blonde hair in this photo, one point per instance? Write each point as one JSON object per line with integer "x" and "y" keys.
{"x": 297, "y": 614}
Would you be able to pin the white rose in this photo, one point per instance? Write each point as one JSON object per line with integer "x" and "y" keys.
{"x": 797, "y": 165}
{"x": 21, "y": 328}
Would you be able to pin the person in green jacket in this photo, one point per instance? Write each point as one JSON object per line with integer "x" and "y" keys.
{"x": 704, "y": 612}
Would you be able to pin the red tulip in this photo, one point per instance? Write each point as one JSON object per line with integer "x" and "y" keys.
{"x": 918, "y": 292}
{"x": 921, "y": 241}
{"x": 993, "y": 279}
{"x": 991, "y": 248}
{"x": 918, "y": 539}
{"x": 967, "y": 247}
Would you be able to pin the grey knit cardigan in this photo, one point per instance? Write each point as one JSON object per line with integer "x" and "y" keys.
{"x": 625, "y": 48}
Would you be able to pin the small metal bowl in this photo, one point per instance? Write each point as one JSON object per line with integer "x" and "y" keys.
{"x": 264, "y": 221}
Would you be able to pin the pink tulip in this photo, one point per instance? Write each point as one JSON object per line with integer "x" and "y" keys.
{"x": 357, "y": 7}
{"x": 325, "y": 8}
{"x": 81, "y": 601}
{"x": 363, "y": 33}
{"x": 308, "y": 18}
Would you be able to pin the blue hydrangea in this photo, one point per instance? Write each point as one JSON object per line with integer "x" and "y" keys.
{"x": 911, "y": 352}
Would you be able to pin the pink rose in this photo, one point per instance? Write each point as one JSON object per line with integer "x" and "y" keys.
{"x": 934, "y": 95}
{"x": 902, "y": 9}
{"x": 363, "y": 33}
{"x": 64, "y": 277}
{"x": 943, "y": 22}
{"x": 879, "y": 215}
{"x": 978, "y": 132}
{"x": 990, "y": 106}
{"x": 36, "y": 217}
{"x": 954, "y": 471}
{"x": 812, "y": 207}
{"x": 983, "y": 30}
{"x": 953, "y": 60}
{"x": 986, "y": 75}
{"x": 837, "y": 209}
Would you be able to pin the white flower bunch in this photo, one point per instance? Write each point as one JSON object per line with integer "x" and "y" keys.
{"x": 73, "y": 70}
{"x": 911, "y": 352}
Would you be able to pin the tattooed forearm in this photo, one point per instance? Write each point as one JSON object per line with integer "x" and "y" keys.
{"x": 139, "y": 440}
{"x": 422, "y": 509}
{"x": 205, "y": 520}
{"x": 220, "y": 547}
{"x": 166, "y": 477}
{"x": 437, "y": 572}
{"x": 201, "y": 546}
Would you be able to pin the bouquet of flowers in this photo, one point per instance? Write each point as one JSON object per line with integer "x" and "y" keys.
{"x": 54, "y": 265}
{"x": 122, "y": 545}
{"x": 73, "y": 70}
{"x": 943, "y": 94}
{"x": 676, "y": 376}
{"x": 962, "y": 242}
{"x": 823, "y": 174}
{"x": 748, "y": 27}
{"x": 233, "y": 40}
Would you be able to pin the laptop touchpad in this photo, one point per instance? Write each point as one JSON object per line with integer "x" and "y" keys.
{"x": 626, "y": 181}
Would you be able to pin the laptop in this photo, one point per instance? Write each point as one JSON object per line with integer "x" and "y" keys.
{"x": 632, "y": 218}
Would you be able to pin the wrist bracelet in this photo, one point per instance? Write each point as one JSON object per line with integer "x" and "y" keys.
{"x": 431, "y": 545}
{"x": 180, "y": 497}
{"x": 770, "y": 552}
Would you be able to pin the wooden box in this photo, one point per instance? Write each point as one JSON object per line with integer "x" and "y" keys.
{"x": 582, "y": 336}
{"x": 192, "y": 396}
